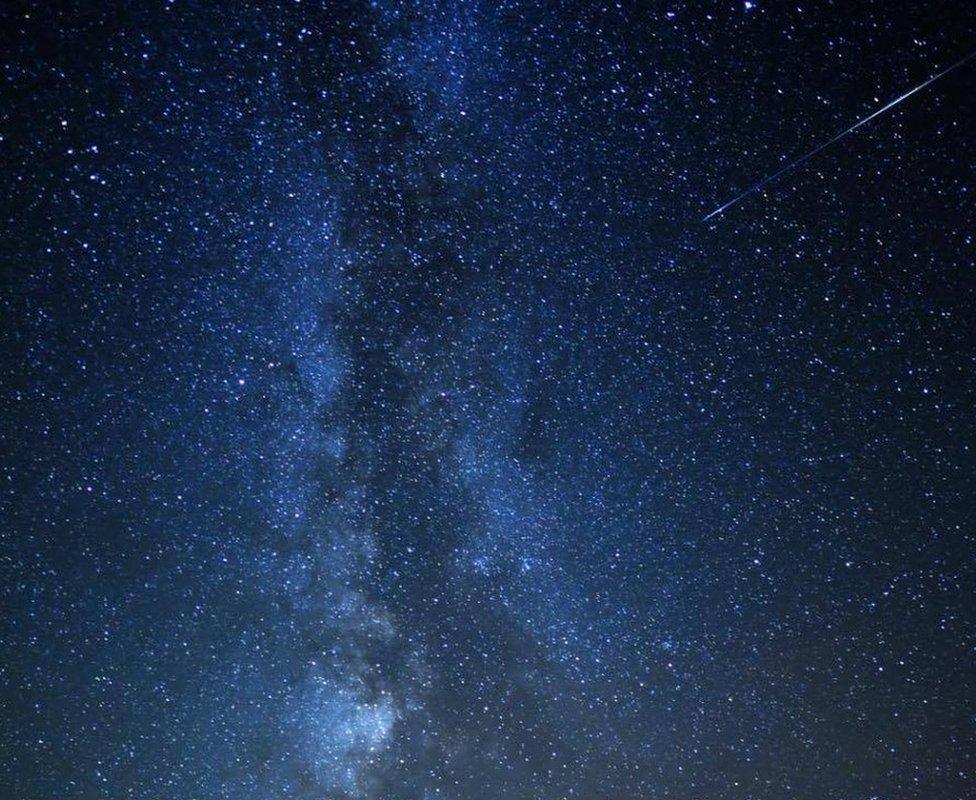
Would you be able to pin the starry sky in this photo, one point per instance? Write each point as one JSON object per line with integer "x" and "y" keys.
{"x": 381, "y": 421}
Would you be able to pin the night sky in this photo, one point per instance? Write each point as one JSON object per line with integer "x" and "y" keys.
{"x": 381, "y": 421}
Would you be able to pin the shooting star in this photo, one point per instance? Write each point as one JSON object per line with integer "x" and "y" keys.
{"x": 807, "y": 156}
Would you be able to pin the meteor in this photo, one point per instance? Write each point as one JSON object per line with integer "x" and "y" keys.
{"x": 807, "y": 156}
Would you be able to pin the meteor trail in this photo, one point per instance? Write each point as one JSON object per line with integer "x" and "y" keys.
{"x": 838, "y": 137}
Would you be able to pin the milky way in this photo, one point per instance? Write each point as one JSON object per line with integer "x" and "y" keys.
{"x": 379, "y": 423}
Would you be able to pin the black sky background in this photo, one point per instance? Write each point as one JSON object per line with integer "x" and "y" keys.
{"x": 381, "y": 421}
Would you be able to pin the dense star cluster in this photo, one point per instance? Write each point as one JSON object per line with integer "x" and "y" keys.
{"x": 381, "y": 420}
